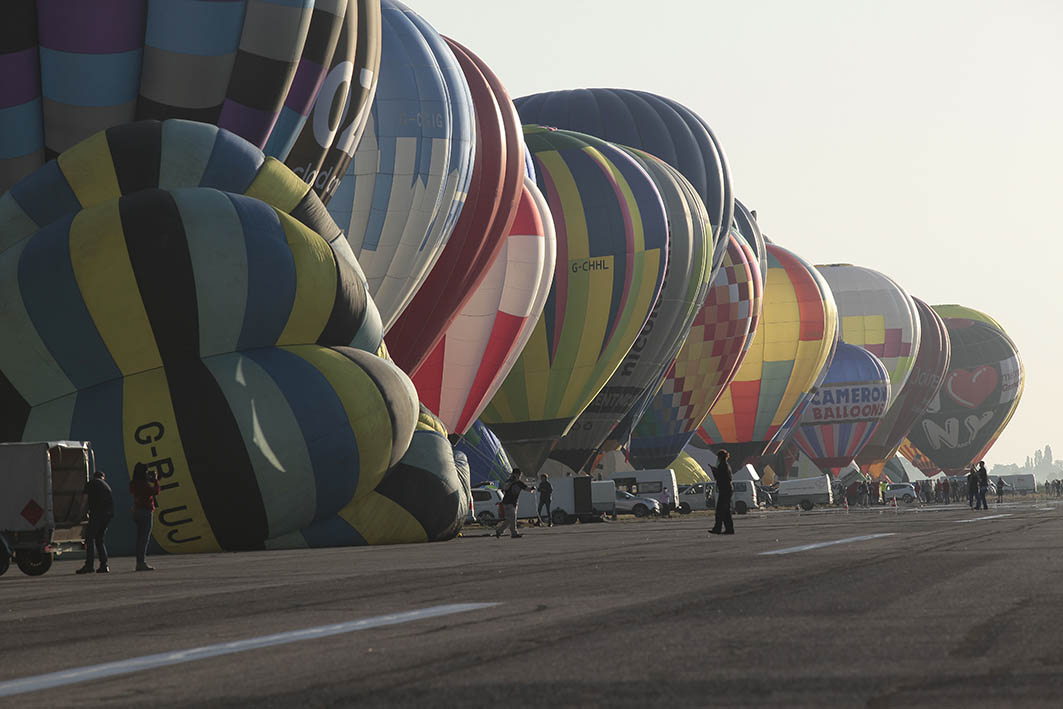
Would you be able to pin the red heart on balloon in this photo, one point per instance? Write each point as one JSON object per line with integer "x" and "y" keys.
{"x": 972, "y": 388}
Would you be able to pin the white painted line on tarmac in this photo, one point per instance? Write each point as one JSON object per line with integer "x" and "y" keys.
{"x": 147, "y": 662}
{"x": 979, "y": 519}
{"x": 820, "y": 545}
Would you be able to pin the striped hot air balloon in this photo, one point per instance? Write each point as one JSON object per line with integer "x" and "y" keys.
{"x": 179, "y": 299}
{"x": 845, "y": 409}
{"x": 254, "y": 68}
{"x": 608, "y": 276}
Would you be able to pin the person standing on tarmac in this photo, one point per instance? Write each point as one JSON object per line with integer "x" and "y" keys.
{"x": 101, "y": 512}
{"x": 143, "y": 493}
{"x": 972, "y": 488}
{"x": 545, "y": 491}
{"x": 510, "y": 496}
{"x": 1000, "y": 489}
{"x": 724, "y": 491}
{"x": 983, "y": 486}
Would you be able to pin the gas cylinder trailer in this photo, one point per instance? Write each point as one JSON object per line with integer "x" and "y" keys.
{"x": 42, "y": 505}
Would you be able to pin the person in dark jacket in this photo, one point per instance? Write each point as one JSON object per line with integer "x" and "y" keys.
{"x": 143, "y": 492}
{"x": 101, "y": 512}
{"x": 545, "y": 491}
{"x": 510, "y": 495}
{"x": 972, "y": 488}
{"x": 724, "y": 491}
{"x": 983, "y": 486}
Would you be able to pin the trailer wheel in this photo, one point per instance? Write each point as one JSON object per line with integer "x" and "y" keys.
{"x": 33, "y": 563}
{"x": 684, "y": 508}
{"x": 806, "y": 505}
{"x": 741, "y": 507}
{"x": 5, "y": 562}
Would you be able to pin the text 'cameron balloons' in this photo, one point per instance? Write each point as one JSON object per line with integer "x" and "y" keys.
{"x": 689, "y": 260}
{"x": 657, "y": 125}
{"x": 878, "y": 315}
{"x": 73, "y": 69}
{"x": 488, "y": 461}
{"x": 790, "y": 352}
{"x": 924, "y": 381}
{"x": 467, "y": 366}
{"x": 494, "y": 192}
{"x": 978, "y": 396}
{"x": 404, "y": 189}
{"x": 170, "y": 294}
{"x": 608, "y": 275}
{"x": 709, "y": 358}
{"x": 845, "y": 409}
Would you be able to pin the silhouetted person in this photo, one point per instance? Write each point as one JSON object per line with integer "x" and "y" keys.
{"x": 983, "y": 486}
{"x": 946, "y": 491}
{"x": 545, "y": 491}
{"x": 724, "y": 492}
{"x": 101, "y": 512}
{"x": 972, "y": 488}
{"x": 143, "y": 492}
{"x": 510, "y": 496}
{"x": 1000, "y": 489}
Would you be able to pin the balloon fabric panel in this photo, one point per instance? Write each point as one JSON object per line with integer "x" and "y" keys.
{"x": 138, "y": 295}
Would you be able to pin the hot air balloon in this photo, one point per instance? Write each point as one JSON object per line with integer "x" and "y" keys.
{"x": 406, "y": 185}
{"x": 655, "y": 124}
{"x": 73, "y": 69}
{"x": 746, "y": 221}
{"x": 683, "y": 292}
{"x": 877, "y": 314}
{"x": 172, "y": 295}
{"x": 845, "y": 409}
{"x": 494, "y": 193}
{"x": 790, "y": 352}
{"x": 924, "y": 381}
{"x": 710, "y": 356}
{"x": 608, "y": 274}
{"x": 488, "y": 460}
{"x": 479, "y": 348}
{"x": 978, "y": 396}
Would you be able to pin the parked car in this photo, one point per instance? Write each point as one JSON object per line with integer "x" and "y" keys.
{"x": 629, "y": 504}
{"x": 900, "y": 491}
{"x": 485, "y": 501}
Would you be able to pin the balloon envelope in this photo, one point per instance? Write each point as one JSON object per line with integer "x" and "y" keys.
{"x": 709, "y": 358}
{"x": 405, "y": 187}
{"x": 978, "y": 396}
{"x": 608, "y": 274}
{"x": 931, "y": 363}
{"x": 180, "y": 300}
{"x": 479, "y": 348}
{"x": 655, "y": 124}
{"x": 494, "y": 192}
{"x": 845, "y": 409}
{"x": 73, "y": 69}
{"x": 789, "y": 354}
{"x": 488, "y": 460}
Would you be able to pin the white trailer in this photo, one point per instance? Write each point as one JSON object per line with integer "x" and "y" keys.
{"x": 603, "y": 497}
{"x": 41, "y": 503}
{"x": 570, "y": 501}
{"x": 1021, "y": 483}
{"x": 805, "y": 492}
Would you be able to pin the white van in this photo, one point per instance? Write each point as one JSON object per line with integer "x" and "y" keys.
{"x": 648, "y": 483}
{"x": 1022, "y": 483}
{"x": 745, "y": 496}
{"x": 805, "y": 492}
{"x": 570, "y": 501}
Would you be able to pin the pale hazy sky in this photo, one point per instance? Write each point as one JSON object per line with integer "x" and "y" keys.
{"x": 923, "y": 138}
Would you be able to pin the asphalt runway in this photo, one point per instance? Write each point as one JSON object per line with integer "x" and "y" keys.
{"x": 914, "y": 607}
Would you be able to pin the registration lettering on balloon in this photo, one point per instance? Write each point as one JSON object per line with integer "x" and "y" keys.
{"x": 592, "y": 264}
